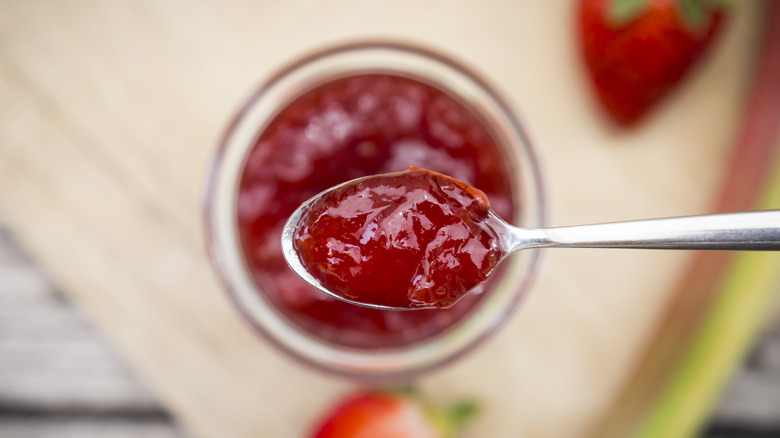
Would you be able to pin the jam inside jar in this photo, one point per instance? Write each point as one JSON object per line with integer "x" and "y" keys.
{"x": 352, "y": 127}
{"x": 341, "y": 114}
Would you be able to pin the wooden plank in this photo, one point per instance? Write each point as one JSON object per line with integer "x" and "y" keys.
{"x": 52, "y": 359}
{"x": 58, "y": 376}
{"x": 110, "y": 111}
{"x": 753, "y": 396}
{"x": 64, "y": 428}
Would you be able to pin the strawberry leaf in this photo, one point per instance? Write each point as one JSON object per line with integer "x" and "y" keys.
{"x": 450, "y": 420}
{"x": 622, "y": 12}
{"x": 694, "y": 13}
{"x": 720, "y": 3}
{"x": 462, "y": 412}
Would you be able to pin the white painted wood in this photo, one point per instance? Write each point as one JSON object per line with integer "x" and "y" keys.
{"x": 753, "y": 396}
{"x": 86, "y": 429}
{"x": 51, "y": 359}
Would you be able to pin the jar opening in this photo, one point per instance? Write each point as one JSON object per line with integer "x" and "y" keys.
{"x": 348, "y": 112}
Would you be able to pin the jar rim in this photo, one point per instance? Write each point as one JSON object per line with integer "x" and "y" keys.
{"x": 227, "y": 164}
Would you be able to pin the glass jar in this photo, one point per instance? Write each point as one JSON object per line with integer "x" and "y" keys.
{"x": 452, "y": 102}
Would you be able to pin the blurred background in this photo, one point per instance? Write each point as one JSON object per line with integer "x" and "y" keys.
{"x": 112, "y": 323}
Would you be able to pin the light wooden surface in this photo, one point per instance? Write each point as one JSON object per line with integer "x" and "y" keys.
{"x": 108, "y": 114}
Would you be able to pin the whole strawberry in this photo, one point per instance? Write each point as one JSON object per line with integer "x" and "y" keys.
{"x": 391, "y": 415}
{"x": 637, "y": 50}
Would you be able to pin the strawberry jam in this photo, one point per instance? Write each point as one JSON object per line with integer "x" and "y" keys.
{"x": 406, "y": 240}
{"x": 344, "y": 129}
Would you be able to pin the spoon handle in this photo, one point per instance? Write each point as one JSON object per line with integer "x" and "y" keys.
{"x": 758, "y": 230}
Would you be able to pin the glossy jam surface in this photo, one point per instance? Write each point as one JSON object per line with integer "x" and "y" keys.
{"x": 409, "y": 239}
{"x": 345, "y": 129}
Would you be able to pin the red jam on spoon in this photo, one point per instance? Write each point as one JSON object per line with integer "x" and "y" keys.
{"x": 404, "y": 240}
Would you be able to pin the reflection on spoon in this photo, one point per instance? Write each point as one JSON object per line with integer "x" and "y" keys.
{"x": 418, "y": 239}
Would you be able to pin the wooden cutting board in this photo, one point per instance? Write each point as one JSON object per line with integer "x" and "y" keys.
{"x": 110, "y": 110}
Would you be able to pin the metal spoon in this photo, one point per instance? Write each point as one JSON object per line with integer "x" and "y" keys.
{"x": 748, "y": 231}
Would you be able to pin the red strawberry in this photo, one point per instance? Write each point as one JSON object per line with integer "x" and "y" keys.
{"x": 391, "y": 415}
{"x": 637, "y": 50}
